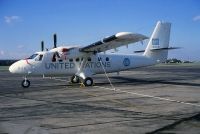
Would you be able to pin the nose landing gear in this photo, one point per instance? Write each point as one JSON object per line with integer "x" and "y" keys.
{"x": 25, "y": 83}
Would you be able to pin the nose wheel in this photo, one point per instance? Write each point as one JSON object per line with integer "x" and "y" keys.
{"x": 25, "y": 83}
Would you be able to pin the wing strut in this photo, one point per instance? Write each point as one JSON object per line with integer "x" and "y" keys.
{"x": 105, "y": 72}
{"x": 82, "y": 71}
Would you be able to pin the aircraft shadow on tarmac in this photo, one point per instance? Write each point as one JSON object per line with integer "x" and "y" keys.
{"x": 120, "y": 80}
{"x": 133, "y": 81}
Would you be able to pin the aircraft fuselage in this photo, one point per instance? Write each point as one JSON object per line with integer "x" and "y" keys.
{"x": 94, "y": 63}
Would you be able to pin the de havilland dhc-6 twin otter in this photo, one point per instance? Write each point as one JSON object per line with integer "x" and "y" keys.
{"x": 81, "y": 63}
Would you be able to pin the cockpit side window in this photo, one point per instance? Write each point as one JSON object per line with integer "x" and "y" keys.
{"x": 55, "y": 57}
{"x": 40, "y": 57}
{"x": 33, "y": 56}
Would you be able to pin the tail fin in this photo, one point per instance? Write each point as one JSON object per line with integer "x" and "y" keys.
{"x": 159, "y": 41}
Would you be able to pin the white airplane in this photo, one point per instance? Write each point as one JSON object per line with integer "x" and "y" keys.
{"x": 83, "y": 62}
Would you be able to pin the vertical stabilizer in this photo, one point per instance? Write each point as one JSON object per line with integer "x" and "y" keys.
{"x": 159, "y": 42}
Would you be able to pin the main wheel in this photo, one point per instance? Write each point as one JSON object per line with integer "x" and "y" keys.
{"x": 25, "y": 83}
{"x": 75, "y": 79}
{"x": 88, "y": 81}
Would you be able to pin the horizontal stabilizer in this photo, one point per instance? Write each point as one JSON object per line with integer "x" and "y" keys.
{"x": 139, "y": 51}
{"x": 158, "y": 49}
{"x": 169, "y": 48}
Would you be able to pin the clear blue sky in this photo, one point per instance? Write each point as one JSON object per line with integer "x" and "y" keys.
{"x": 24, "y": 23}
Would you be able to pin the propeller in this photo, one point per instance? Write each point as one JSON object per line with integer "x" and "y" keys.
{"x": 55, "y": 40}
{"x": 42, "y": 45}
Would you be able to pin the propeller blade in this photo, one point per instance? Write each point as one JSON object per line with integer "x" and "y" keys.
{"x": 42, "y": 45}
{"x": 55, "y": 40}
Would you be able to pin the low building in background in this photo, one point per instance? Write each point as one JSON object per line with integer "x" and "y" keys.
{"x": 7, "y": 62}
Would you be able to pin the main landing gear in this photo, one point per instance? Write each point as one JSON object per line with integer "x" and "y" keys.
{"x": 75, "y": 79}
{"x": 25, "y": 83}
{"x": 87, "y": 81}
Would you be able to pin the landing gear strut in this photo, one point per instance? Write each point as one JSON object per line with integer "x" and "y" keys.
{"x": 25, "y": 83}
{"x": 88, "y": 81}
{"x": 75, "y": 79}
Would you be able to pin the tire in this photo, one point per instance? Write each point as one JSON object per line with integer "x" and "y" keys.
{"x": 88, "y": 81}
{"x": 25, "y": 83}
{"x": 75, "y": 79}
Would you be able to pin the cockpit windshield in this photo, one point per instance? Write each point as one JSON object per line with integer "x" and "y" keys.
{"x": 33, "y": 56}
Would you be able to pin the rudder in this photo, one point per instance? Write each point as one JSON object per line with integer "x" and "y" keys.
{"x": 159, "y": 41}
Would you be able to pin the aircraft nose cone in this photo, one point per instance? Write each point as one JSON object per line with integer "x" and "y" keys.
{"x": 16, "y": 67}
{"x": 12, "y": 68}
{"x": 20, "y": 67}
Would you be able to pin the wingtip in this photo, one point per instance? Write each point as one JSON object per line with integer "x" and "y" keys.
{"x": 143, "y": 37}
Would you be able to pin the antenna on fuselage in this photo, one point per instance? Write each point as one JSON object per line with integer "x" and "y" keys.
{"x": 55, "y": 40}
{"x": 42, "y": 45}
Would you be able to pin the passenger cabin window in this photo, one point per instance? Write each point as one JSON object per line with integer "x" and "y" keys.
{"x": 107, "y": 59}
{"x": 77, "y": 59}
{"x": 89, "y": 59}
{"x": 70, "y": 60}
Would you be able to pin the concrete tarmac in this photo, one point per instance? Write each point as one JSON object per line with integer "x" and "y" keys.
{"x": 154, "y": 100}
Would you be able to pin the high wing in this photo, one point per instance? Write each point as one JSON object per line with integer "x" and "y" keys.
{"x": 114, "y": 41}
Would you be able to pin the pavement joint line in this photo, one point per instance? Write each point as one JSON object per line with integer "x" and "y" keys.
{"x": 54, "y": 78}
{"x": 89, "y": 124}
{"x": 149, "y": 96}
{"x": 112, "y": 100}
